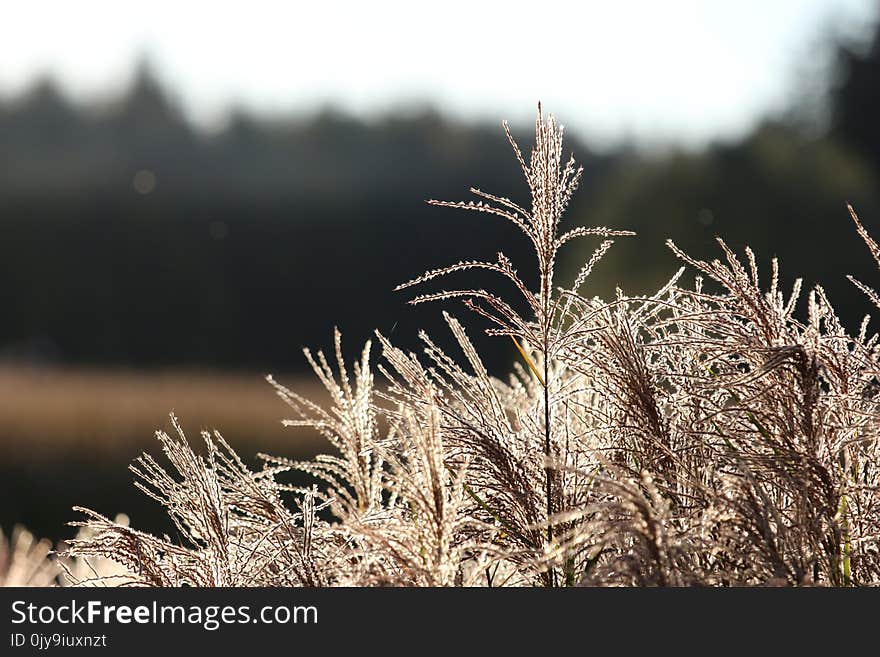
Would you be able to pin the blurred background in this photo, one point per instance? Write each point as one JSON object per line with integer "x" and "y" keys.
{"x": 190, "y": 193}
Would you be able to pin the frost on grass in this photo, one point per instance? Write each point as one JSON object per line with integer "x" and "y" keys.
{"x": 706, "y": 434}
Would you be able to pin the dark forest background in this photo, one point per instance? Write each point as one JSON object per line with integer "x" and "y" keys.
{"x": 130, "y": 238}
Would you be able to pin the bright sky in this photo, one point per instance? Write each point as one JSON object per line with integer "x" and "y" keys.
{"x": 663, "y": 70}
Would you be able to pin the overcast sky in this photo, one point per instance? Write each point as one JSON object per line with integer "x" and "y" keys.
{"x": 670, "y": 70}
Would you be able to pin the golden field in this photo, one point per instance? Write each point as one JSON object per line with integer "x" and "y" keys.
{"x": 50, "y": 411}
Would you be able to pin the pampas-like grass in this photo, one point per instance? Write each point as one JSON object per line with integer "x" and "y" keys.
{"x": 706, "y": 434}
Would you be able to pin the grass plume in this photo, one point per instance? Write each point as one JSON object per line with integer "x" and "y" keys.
{"x": 704, "y": 434}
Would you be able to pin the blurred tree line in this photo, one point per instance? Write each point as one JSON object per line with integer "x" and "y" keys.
{"x": 131, "y": 238}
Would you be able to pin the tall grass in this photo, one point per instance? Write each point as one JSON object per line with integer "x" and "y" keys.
{"x": 705, "y": 434}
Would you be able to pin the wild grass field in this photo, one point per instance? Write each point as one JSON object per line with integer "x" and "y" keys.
{"x": 717, "y": 431}
{"x": 113, "y": 412}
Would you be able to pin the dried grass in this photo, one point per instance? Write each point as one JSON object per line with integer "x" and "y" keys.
{"x": 706, "y": 434}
